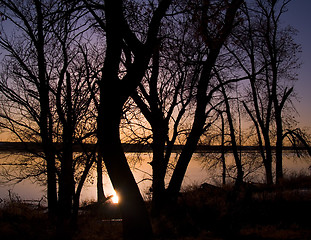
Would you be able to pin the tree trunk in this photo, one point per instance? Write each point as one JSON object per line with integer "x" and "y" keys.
{"x": 45, "y": 124}
{"x": 197, "y": 127}
{"x": 185, "y": 157}
{"x": 202, "y": 98}
{"x": 268, "y": 160}
{"x": 113, "y": 94}
{"x": 66, "y": 184}
{"x": 100, "y": 187}
{"x": 77, "y": 194}
{"x": 66, "y": 180}
{"x": 223, "y": 157}
{"x": 159, "y": 167}
{"x": 51, "y": 183}
{"x": 279, "y": 148}
{"x": 238, "y": 163}
{"x": 136, "y": 223}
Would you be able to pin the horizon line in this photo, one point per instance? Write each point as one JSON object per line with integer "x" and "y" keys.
{"x": 132, "y": 147}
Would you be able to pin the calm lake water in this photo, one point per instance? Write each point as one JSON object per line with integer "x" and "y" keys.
{"x": 199, "y": 171}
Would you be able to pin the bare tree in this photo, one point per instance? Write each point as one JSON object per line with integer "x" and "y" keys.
{"x": 259, "y": 110}
{"x": 165, "y": 96}
{"x": 45, "y": 95}
{"x": 234, "y": 144}
{"x": 26, "y": 86}
{"x": 280, "y": 55}
{"x": 214, "y": 34}
{"x": 114, "y": 92}
{"x": 268, "y": 55}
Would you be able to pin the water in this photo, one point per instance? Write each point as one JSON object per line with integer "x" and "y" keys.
{"x": 199, "y": 171}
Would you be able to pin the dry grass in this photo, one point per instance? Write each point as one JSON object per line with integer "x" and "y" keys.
{"x": 279, "y": 212}
{"x": 257, "y": 212}
{"x": 19, "y": 220}
{"x": 23, "y": 221}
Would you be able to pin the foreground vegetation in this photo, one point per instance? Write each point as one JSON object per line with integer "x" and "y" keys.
{"x": 203, "y": 212}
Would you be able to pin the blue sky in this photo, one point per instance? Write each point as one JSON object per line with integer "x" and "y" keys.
{"x": 299, "y": 16}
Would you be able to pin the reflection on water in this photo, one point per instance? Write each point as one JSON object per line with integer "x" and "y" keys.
{"x": 199, "y": 171}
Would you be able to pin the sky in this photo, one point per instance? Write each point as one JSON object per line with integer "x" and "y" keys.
{"x": 299, "y": 16}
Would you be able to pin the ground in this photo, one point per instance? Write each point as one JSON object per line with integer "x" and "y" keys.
{"x": 256, "y": 212}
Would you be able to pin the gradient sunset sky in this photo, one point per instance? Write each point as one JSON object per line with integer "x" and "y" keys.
{"x": 299, "y": 16}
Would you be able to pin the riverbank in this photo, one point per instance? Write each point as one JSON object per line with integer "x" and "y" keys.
{"x": 257, "y": 212}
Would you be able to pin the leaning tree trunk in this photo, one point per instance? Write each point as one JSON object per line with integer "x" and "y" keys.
{"x": 197, "y": 127}
{"x": 136, "y": 223}
{"x": 214, "y": 44}
{"x": 113, "y": 94}
{"x": 186, "y": 154}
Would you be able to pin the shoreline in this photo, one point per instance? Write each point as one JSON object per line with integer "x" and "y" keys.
{"x": 128, "y": 148}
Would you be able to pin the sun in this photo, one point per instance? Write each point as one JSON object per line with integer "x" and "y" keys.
{"x": 115, "y": 198}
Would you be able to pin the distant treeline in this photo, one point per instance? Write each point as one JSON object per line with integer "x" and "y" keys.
{"x": 37, "y": 147}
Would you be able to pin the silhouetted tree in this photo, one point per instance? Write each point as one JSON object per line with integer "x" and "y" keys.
{"x": 25, "y": 83}
{"x": 93, "y": 57}
{"x": 237, "y": 159}
{"x": 115, "y": 89}
{"x": 165, "y": 96}
{"x": 44, "y": 90}
{"x": 268, "y": 55}
{"x": 259, "y": 110}
{"x": 279, "y": 52}
{"x": 214, "y": 24}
